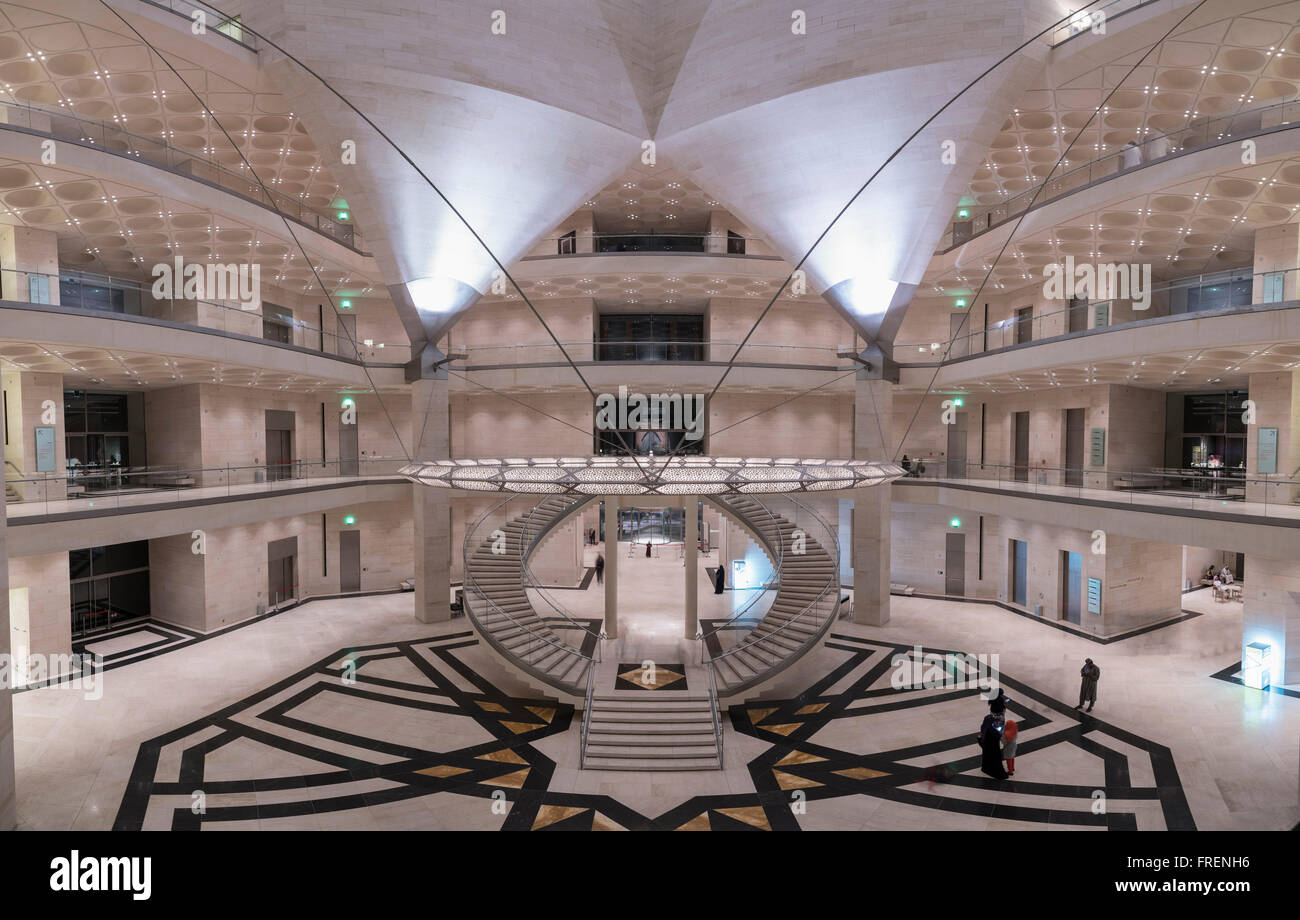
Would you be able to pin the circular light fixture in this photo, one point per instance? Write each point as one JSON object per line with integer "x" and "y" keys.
{"x": 677, "y": 476}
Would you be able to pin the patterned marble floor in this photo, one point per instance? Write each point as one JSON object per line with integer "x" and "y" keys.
{"x": 348, "y": 714}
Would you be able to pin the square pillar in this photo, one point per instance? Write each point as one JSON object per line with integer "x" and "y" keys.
{"x": 8, "y": 797}
{"x": 611, "y": 566}
{"x": 872, "y": 435}
{"x": 691, "y": 505}
{"x": 432, "y": 506}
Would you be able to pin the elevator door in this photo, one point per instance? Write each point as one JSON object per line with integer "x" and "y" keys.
{"x": 1019, "y": 572}
{"x": 957, "y": 448}
{"x": 1074, "y": 447}
{"x": 349, "y": 560}
{"x": 1020, "y": 423}
{"x": 281, "y": 571}
{"x": 954, "y": 565}
{"x": 1072, "y": 587}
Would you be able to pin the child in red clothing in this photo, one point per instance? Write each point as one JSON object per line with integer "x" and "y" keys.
{"x": 1009, "y": 746}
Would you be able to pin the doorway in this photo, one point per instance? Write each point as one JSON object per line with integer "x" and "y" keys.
{"x": 1074, "y": 447}
{"x": 281, "y": 571}
{"x": 954, "y": 565}
{"x": 1024, "y": 325}
{"x": 349, "y": 560}
{"x": 1019, "y": 575}
{"x": 1071, "y": 587}
{"x": 957, "y": 447}
{"x": 1078, "y": 314}
{"x": 279, "y": 444}
{"x": 1020, "y": 439}
{"x": 349, "y": 454}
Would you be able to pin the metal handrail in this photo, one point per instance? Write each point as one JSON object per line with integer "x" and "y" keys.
{"x": 1009, "y": 327}
{"x": 485, "y": 633}
{"x": 164, "y": 310}
{"x": 778, "y": 557}
{"x": 832, "y": 552}
{"x": 713, "y": 710}
{"x": 528, "y": 580}
{"x": 586, "y": 717}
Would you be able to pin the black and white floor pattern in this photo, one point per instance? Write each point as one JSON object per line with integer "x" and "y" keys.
{"x": 414, "y": 737}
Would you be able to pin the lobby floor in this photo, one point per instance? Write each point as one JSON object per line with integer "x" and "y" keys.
{"x": 349, "y": 714}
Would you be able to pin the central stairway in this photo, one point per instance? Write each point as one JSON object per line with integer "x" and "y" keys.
{"x": 655, "y": 729}
{"x": 652, "y": 730}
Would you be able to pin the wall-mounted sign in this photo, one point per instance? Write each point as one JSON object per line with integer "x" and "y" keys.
{"x": 1094, "y": 596}
{"x": 45, "y": 450}
{"x": 1266, "y": 450}
{"x": 1097, "y": 446}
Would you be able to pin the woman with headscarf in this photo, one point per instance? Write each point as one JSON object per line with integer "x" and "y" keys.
{"x": 719, "y": 580}
{"x": 990, "y": 739}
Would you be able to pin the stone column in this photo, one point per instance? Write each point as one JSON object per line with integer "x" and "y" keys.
{"x": 611, "y": 566}
{"x": 1277, "y": 405}
{"x": 691, "y": 504}
{"x": 873, "y": 415}
{"x": 432, "y": 506}
{"x": 8, "y": 798}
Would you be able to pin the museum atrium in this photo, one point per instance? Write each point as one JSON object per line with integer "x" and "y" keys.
{"x": 482, "y": 416}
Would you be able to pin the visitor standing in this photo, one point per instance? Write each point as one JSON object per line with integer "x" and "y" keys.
{"x": 600, "y": 569}
{"x": 1089, "y": 675}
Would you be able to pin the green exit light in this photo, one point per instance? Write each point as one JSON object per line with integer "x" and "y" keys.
{"x": 349, "y": 519}
{"x": 955, "y": 522}
{"x": 347, "y": 402}
{"x": 963, "y": 213}
{"x": 343, "y": 215}
{"x": 959, "y": 303}
{"x": 959, "y": 401}
{"x": 345, "y": 304}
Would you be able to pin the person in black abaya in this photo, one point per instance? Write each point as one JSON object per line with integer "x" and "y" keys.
{"x": 719, "y": 580}
{"x": 990, "y": 739}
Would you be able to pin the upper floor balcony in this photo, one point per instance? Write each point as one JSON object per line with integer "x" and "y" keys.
{"x": 103, "y": 296}
{"x": 62, "y": 125}
{"x": 1089, "y": 168}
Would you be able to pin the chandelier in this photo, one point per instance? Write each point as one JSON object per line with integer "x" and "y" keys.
{"x": 676, "y": 476}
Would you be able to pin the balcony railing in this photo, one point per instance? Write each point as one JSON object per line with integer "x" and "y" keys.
{"x": 1115, "y": 160}
{"x": 85, "y": 488}
{"x": 100, "y": 294}
{"x": 215, "y": 20}
{"x": 589, "y": 243}
{"x": 543, "y": 354}
{"x": 62, "y": 124}
{"x": 1192, "y": 296}
{"x": 1227, "y": 490}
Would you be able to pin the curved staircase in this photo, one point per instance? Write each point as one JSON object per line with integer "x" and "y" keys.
{"x": 807, "y": 598}
{"x": 497, "y": 603}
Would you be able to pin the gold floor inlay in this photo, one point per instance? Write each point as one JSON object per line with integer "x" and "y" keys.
{"x": 505, "y": 755}
{"x": 491, "y": 707}
{"x": 545, "y": 713}
{"x": 751, "y": 814}
{"x": 810, "y": 709}
{"x": 758, "y": 715}
{"x": 520, "y": 727}
{"x": 513, "y": 780}
{"x": 442, "y": 771}
{"x": 861, "y": 773}
{"x": 790, "y": 781}
{"x": 549, "y": 814}
{"x": 601, "y": 823}
{"x": 799, "y": 757}
{"x": 658, "y": 677}
{"x": 698, "y": 823}
{"x": 783, "y": 729}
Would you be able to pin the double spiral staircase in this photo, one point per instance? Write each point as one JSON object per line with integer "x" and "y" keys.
{"x": 520, "y": 619}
